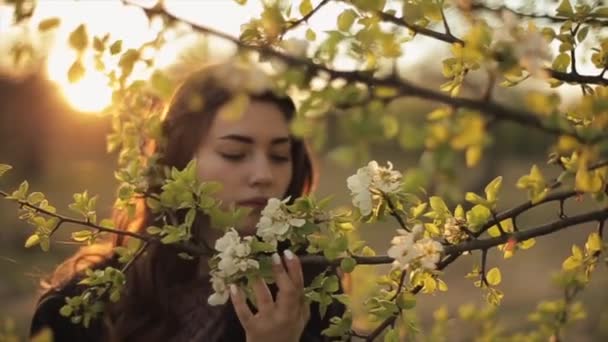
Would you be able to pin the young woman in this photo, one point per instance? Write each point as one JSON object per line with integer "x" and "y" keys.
{"x": 255, "y": 157}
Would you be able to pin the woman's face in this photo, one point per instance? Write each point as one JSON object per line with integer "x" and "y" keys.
{"x": 250, "y": 156}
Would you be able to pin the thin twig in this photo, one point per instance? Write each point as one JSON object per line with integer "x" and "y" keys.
{"x": 294, "y": 24}
{"x": 498, "y": 10}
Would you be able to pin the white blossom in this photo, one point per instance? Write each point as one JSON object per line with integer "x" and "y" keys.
{"x": 453, "y": 230}
{"x": 411, "y": 250}
{"x": 295, "y": 47}
{"x": 233, "y": 255}
{"x": 238, "y": 76}
{"x": 530, "y": 48}
{"x": 402, "y": 250}
{"x": 220, "y": 295}
{"x": 369, "y": 178}
{"x": 428, "y": 252}
{"x": 275, "y": 221}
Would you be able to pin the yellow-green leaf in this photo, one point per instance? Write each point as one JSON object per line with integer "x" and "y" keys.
{"x": 438, "y": 205}
{"x": 582, "y": 34}
{"x": 79, "y": 38}
{"x": 305, "y": 7}
{"x": 4, "y": 168}
{"x": 33, "y": 240}
{"x": 594, "y": 243}
{"x": 570, "y": 263}
{"x": 48, "y": 24}
{"x": 577, "y": 253}
{"x": 234, "y": 108}
{"x": 76, "y": 72}
{"x": 310, "y": 35}
{"x": 116, "y": 47}
{"x": 346, "y": 19}
{"x": 348, "y": 264}
{"x": 494, "y": 276}
{"x": 561, "y": 62}
{"x": 588, "y": 181}
{"x": 473, "y": 155}
{"x": 565, "y": 9}
{"x": 493, "y": 188}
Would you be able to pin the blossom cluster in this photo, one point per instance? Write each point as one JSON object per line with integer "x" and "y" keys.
{"x": 276, "y": 221}
{"x": 370, "y": 182}
{"x": 234, "y": 256}
{"x": 411, "y": 250}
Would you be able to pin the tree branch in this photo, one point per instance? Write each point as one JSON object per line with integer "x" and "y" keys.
{"x": 449, "y": 38}
{"x": 403, "y": 87}
{"x": 294, "y": 24}
{"x": 445, "y": 37}
{"x": 480, "y": 244}
{"x": 184, "y": 246}
{"x": 479, "y": 6}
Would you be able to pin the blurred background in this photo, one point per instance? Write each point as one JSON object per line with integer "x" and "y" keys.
{"x": 53, "y": 135}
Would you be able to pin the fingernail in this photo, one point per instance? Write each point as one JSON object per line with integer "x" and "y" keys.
{"x": 276, "y": 259}
{"x": 288, "y": 254}
{"x": 233, "y": 289}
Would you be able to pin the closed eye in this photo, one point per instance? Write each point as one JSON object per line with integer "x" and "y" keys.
{"x": 233, "y": 156}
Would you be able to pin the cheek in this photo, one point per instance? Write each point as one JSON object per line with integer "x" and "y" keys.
{"x": 212, "y": 168}
{"x": 284, "y": 178}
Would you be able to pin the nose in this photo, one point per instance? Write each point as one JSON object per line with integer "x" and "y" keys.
{"x": 261, "y": 172}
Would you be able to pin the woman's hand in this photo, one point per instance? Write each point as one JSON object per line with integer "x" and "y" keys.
{"x": 280, "y": 321}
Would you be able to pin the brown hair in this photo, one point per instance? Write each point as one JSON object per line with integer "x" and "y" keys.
{"x": 144, "y": 310}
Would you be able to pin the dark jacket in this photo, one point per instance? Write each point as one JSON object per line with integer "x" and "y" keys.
{"x": 47, "y": 315}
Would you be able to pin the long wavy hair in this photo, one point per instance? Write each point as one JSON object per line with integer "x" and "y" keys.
{"x": 144, "y": 311}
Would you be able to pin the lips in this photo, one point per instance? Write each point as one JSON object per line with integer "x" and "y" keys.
{"x": 255, "y": 203}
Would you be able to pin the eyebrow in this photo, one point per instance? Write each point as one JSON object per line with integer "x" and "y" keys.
{"x": 249, "y": 140}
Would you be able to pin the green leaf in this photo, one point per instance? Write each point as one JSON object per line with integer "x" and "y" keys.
{"x": 561, "y": 62}
{"x": 477, "y": 217}
{"x": 310, "y": 35}
{"x": 493, "y": 188}
{"x": 116, "y": 47}
{"x": 331, "y": 284}
{"x": 76, "y": 71}
{"x": 49, "y": 24}
{"x": 493, "y": 276}
{"x": 582, "y": 34}
{"x": 406, "y": 301}
{"x": 79, "y": 38}
{"x": 594, "y": 243}
{"x": 241, "y": 2}
{"x": 305, "y": 7}
{"x": 348, "y": 264}
{"x": 438, "y": 205}
{"x": 391, "y": 336}
{"x": 346, "y": 19}
{"x": 601, "y": 12}
{"x": 565, "y": 9}
{"x": 66, "y": 311}
{"x": 4, "y": 168}
{"x": 571, "y": 263}
{"x": 35, "y": 197}
{"x": 33, "y": 240}
{"x": 162, "y": 84}
{"x": 235, "y": 107}
{"x": 21, "y": 193}
{"x": 82, "y": 235}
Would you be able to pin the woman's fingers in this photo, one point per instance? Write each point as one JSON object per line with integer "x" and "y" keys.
{"x": 262, "y": 294}
{"x": 294, "y": 268}
{"x": 290, "y": 281}
{"x": 240, "y": 305}
{"x": 286, "y": 297}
